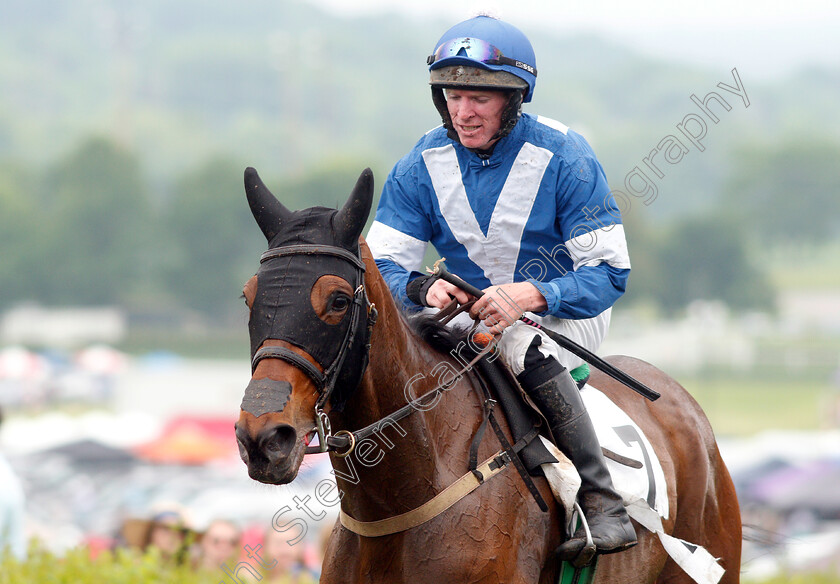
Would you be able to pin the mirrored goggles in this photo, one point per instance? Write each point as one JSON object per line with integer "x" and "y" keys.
{"x": 476, "y": 50}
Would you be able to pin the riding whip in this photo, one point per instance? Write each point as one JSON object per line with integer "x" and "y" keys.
{"x": 564, "y": 342}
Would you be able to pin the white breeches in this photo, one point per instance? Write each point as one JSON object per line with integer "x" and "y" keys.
{"x": 516, "y": 339}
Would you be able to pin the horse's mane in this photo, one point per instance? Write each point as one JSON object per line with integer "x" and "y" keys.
{"x": 439, "y": 336}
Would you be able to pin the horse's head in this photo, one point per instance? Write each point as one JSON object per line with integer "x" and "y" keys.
{"x": 309, "y": 325}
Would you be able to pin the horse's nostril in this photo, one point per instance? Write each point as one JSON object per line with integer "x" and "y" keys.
{"x": 280, "y": 440}
{"x": 243, "y": 451}
{"x": 243, "y": 441}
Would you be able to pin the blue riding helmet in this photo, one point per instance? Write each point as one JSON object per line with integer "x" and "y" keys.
{"x": 487, "y": 44}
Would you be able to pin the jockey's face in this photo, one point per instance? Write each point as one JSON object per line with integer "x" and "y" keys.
{"x": 476, "y": 115}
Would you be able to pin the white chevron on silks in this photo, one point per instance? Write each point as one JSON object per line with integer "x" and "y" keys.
{"x": 497, "y": 252}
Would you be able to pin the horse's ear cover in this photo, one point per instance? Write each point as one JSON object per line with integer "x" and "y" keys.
{"x": 350, "y": 220}
{"x": 282, "y": 308}
{"x": 267, "y": 210}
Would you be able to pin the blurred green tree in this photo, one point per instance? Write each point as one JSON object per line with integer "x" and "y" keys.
{"x": 94, "y": 221}
{"x": 19, "y": 236}
{"x": 698, "y": 258}
{"x": 214, "y": 241}
{"x": 645, "y": 276}
{"x": 329, "y": 184}
{"x": 788, "y": 192}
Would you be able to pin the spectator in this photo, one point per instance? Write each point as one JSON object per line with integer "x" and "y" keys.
{"x": 221, "y": 543}
{"x": 11, "y": 509}
{"x": 285, "y": 560}
{"x": 167, "y": 531}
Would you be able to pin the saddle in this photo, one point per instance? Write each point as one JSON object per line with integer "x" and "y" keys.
{"x": 500, "y": 386}
{"x": 522, "y": 415}
{"x": 533, "y": 454}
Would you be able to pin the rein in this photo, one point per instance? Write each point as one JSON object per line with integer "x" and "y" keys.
{"x": 343, "y": 442}
{"x": 347, "y": 439}
{"x": 476, "y": 475}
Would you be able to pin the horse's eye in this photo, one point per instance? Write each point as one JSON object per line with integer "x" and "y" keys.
{"x": 340, "y": 303}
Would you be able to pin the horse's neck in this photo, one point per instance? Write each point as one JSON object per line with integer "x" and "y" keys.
{"x": 396, "y": 470}
{"x": 400, "y": 365}
{"x": 397, "y": 356}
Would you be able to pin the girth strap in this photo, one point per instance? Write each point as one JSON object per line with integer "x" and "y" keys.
{"x": 517, "y": 462}
{"x": 487, "y": 406}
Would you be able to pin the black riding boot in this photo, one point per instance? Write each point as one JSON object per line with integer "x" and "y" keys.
{"x": 556, "y": 394}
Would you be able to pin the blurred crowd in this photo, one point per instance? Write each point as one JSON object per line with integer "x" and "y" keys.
{"x": 226, "y": 551}
{"x": 11, "y": 508}
{"x": 85, "y": 494}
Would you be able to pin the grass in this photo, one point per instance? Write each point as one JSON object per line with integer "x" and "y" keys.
{"x": 805, "y": 578}
{"x": 126, "y": 567}
{"x": 80, "y": 565}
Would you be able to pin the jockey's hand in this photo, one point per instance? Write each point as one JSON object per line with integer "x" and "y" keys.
{"x": 501, "y": 306}
{"x": 441, "y": 293}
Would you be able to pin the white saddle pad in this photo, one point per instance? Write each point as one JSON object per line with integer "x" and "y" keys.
{"x": 619, "y": 433}
{"x": 643, "y": 489}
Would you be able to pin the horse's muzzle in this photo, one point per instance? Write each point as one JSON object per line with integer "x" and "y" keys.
{"x": 274, "y": 455}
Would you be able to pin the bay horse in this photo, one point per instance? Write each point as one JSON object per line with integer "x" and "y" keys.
{"x": 321, "y": 365}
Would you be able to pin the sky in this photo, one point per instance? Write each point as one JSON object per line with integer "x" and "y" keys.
{"x": 767, "y": 38}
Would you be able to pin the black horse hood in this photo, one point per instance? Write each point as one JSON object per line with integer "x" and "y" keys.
{"x": 316, "y": 225}
{"x": 282, "y": 308}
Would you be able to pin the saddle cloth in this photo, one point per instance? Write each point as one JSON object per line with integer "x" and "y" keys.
{"x": 618, "y": 433}
{"x": 643, "y": 489}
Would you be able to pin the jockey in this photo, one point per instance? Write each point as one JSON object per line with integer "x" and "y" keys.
{"x": 519, "y": 206}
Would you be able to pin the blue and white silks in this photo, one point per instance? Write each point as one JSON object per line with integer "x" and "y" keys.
{"x": 538, "y": 209}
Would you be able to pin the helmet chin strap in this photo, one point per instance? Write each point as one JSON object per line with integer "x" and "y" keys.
{"x": 510, "y": 115}
{"x": 439, "y": 99}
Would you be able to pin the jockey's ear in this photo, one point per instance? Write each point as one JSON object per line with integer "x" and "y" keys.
{"x": 267, "y": 210}
{"x": 350, "y": 220}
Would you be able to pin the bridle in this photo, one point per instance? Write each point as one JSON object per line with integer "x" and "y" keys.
{"x": 325, "y": 382}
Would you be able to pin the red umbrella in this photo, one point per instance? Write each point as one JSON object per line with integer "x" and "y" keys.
{"x": 188, "y": 440}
